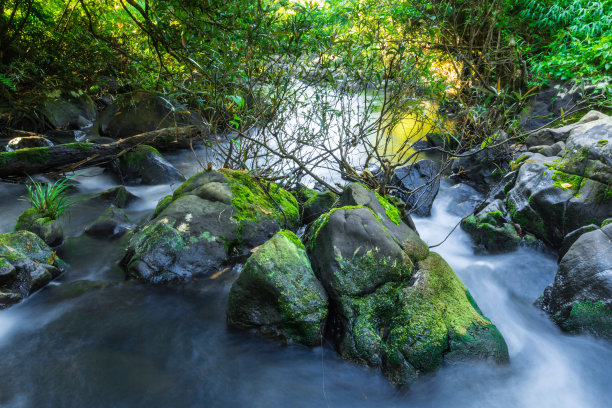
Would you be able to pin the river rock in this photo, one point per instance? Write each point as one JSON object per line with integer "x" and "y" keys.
{"x": 210, "y": 218}
{"x": 138, "y": 112}
{"x": 278, "y": 295}
{"x": 113, "y": 223}
{"x": 550, "y": 197}
{"x": 580, "y": 299}
{"x": 145, "y": 165}
{"x": 118, "y": 196}
{"x": 419, "y": 184}
{"x": 392, "y": 306}
{"x": 319, "y": 203}
{"x": 27, "y": 142}
{"x": 48, "y": 229}
{"x": 26, "y": 265}
{"x": 69, "y": 109}
{"x": 484, "y": 166}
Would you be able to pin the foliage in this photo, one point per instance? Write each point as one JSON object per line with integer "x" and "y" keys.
{"x": 48, "y": 199}
{"x": 576, "y": 39}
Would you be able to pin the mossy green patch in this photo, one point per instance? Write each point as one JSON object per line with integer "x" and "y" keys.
{"x": 162, "y": 205}
{"x": 32, "y": 155}
{"x": 293, "y": 238}
{"x": 84, "y": 147}
{"x": 588, "y": 317}
{"x": 255, "y": 199}
{"x": 139, "y": 154}
{"x": 568, "y": 181}
{"x": 392, "y": 212}
{"x": 606, "y": 222}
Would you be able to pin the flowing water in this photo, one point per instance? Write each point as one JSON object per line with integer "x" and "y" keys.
{"x": 116, "y": 343}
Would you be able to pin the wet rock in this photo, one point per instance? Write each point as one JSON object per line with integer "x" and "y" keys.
{"x": 419, "y": 184}
{"x": 211, "y": 218}
{"x": 27, "y": 142}
{"x": 465, "y": 199}
{"x": 112, "y": 224}
{"x": 278, "y": 295}
{"x": 573, "y": 236}
{"x": 580, "y": 299}
{"x": 391, "y": 307}
{"x": 26, "y": 265}
{"x": 317, "y": 204}
{"x": 48, "y": 229}
{"x": 118, "y": 196}
{"x": 138, "y": 112}
{"x": 491, "y": 229}
{"x": 145, "y": 165}
{"x": 484, "y": 166}
{"x": 69, "y": 109}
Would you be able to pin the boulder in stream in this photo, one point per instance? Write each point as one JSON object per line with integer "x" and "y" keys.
{"x": 278, "y": 295}
{"x": 26, "y": 265}
{"x": 580, "y": 299}
{"x": 394, "y": 304}
{"x": 419, "y": 184}
{"x": 48, "y": 229}
{"x": 145, "y": 165}
{"x": 212, "y": 217}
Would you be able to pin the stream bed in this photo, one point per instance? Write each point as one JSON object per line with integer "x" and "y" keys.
{"x": 116, "y": 343}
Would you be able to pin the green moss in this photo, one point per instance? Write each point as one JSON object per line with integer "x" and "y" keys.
{"x": 568, "y": 181}
{"x": 392, "y": 212}
{"x": 602, "y": 143}
{"x": 603, "y": 194}
{"x": 293, "y": 238}
{"x": 253, "y": 203}
{"x": 139, "y": 154}
{"x": 84, "y": 147}
{"x": 32, "y": 155}
{"x": 162, "y": 205}
{"x": 320, "y": 222}
{"x": 606, "y": 222}
{"x": 590, "y": 317}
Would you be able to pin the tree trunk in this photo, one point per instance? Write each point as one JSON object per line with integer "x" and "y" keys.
{"x": 71, "y": 156}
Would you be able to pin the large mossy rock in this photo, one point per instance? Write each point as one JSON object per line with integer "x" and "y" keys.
{"x": 393, "y": 304}
{"x": 26, "y": 265}
{"x": 210, "y": 218}
{"x": 317, "y": 204}
{"x": 551, "y": 197}
{"x": 145, "y": 165}
{"x": 48, "y": 229}
{"x": 140, "y": 111}
{"x": 580, "y": 299}
{"x": 69, "y": 109}
{"x": 278, "y": 295}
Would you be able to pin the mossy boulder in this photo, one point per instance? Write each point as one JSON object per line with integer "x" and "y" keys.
{"x": 278, "y": 295}
{"x": 48, "y": 229}
{"x": 118, "y": 196}
{"x": 392, "y": 307}
{"x": 145, "y": 165}
{"x": 580, "y": 299}
{"x": 211, "y": 218}
{"x": 26, "y": 265}
{"x": 69, "y": 109}
{"x": 319, "y": 203}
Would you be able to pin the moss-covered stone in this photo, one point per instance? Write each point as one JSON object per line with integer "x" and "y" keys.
{"x": 491, "y": 231}
{"x": 316, "y": 205}
{"x": 278, "y": 295}
{"x": 33, "y": 155}
{"x": 210, "y": 218}
{"x": 594, "y": 318}
{"x": 48, "y": 229}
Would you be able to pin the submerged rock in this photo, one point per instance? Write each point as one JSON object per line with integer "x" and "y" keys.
{"x": 113, "y": 223}
{"x": 26, "y": 265}
{"x": 278, "y": 295}
{"x": 580, "y": 299}
{"x": 145, "y": 165}
{"x": 210, "y": 218}
{"x": 48, "y": 229}
{"x": 393, "y": 304}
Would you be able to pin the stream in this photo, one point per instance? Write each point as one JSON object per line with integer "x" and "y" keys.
{"x": 120, "y": 343}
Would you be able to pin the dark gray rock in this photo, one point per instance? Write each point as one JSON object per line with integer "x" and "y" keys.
{"x": 26, "y": 265}
{"x": 278, "y": 295}
{"x": 573, "y": 236}
{"x": 419, "y": 184}
{"x": 70, "y": 109}
{"x": 145, "y": 165}
{"x": 580, "y": 299}
{"x": 138, "y": 112}
{"x": 118, "y": 196}
{"x": 550, "y": 102}
{"x": 211, "y": 218}
{"x": 388, "y": 304}
{"x": 317, "y": 204}
{"x": 112, "y": 224}
{"x": 484, "y": 166}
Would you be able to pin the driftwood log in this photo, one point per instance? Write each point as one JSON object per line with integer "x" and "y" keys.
{"x": 71, "y": 156}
